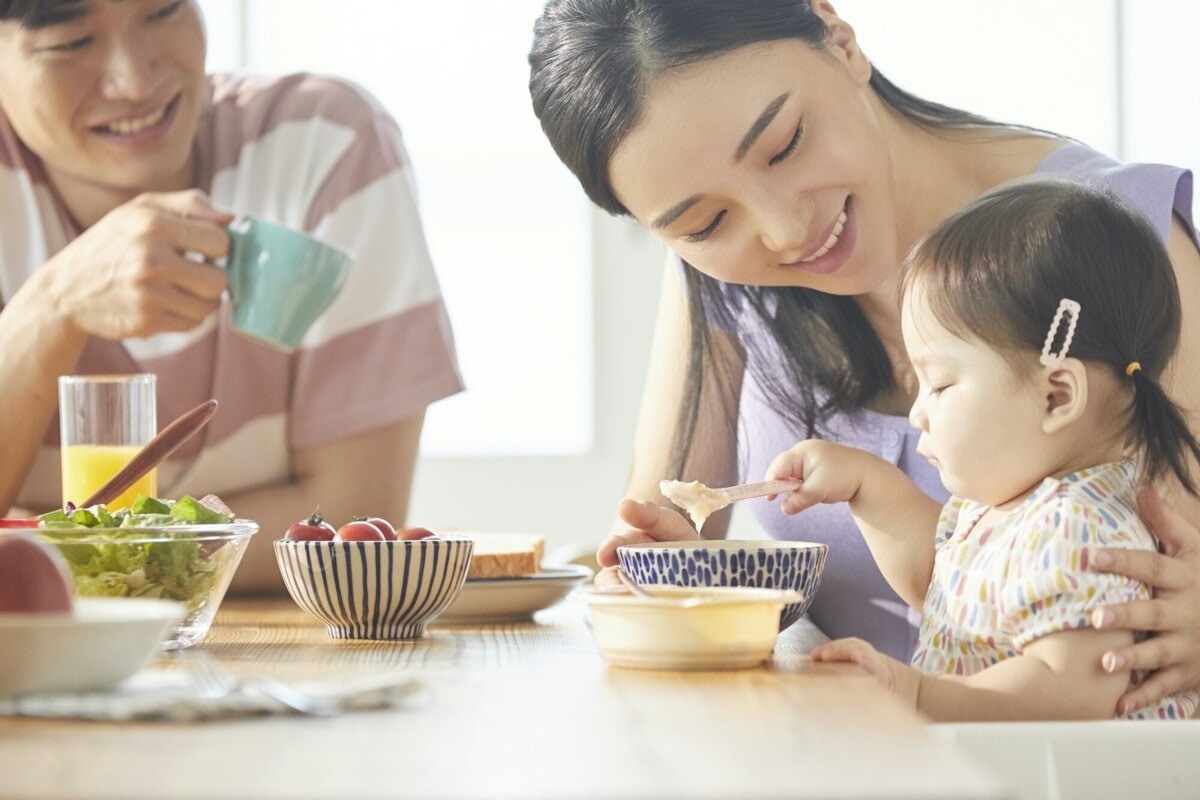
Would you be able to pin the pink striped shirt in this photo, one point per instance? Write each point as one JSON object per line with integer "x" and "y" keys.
{"x": 313, "y": 153}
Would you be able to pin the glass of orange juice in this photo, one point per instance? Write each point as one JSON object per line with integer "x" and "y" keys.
{"x": 105, "y": 420}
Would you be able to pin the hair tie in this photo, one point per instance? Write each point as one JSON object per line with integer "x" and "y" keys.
{"x": 1134, "y": 366}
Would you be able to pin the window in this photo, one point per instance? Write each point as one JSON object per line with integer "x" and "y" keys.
{"x": 507, "y": 225}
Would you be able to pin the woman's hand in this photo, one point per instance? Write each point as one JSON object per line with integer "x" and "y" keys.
{"x": 129, "y": 275}
{"x": 1173, "y": 614}
{"x": 647, "y": 523}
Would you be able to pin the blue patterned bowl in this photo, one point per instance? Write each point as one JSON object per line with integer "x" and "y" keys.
{"x": 761, "y": 564}
{"x": 375, "y": 590}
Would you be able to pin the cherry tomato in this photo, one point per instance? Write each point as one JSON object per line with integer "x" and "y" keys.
{"x": 411, "y": 532}
{"x": 313, "y": 529}
{"x": 359, "y": 530}
{"x": 384, "y": 526}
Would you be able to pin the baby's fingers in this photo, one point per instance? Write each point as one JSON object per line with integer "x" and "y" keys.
{"x": 839, "y": 650}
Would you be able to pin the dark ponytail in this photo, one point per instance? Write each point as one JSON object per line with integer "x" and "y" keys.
{"x": 1159, "y": 429}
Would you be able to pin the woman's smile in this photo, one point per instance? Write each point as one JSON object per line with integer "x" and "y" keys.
{"x": 837, "y": 244}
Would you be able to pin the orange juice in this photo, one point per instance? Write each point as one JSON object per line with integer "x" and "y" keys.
{"x": 86, "y": 467}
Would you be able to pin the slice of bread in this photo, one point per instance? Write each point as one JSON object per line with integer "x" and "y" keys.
{"x": 504, "y": 555}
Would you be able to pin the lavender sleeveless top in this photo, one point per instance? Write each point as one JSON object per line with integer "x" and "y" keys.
{"x": 854, "y": 599}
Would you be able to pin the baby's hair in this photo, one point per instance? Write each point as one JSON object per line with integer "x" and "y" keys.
{"x": 997, "y": 270}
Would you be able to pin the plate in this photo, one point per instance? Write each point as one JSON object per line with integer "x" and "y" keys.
{"x": 100, "y": 643}
{"x": 493, "y": 600}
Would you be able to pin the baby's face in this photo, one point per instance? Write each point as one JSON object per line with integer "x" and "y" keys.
{"x": 980, "y": 420}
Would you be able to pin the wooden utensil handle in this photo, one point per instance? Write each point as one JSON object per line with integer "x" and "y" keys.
{"x": 155, "y": 452}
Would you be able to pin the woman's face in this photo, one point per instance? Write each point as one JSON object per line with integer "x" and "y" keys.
{"x": 767, "y": 166}
{"x": 109, "y": 96}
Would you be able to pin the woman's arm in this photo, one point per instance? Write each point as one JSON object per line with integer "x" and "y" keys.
{"x": 897, "y": 519}
{"x": 126, "y": 276}
{"x": 1174, "y": 612}
{"x": 367, "y": 475}
{"x": 644, "y": 515}
{"x": 713, "y": 460}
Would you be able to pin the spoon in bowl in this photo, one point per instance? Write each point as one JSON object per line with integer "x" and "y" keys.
{"x": 700, "y": 502}
{"x": 154, "y": 453}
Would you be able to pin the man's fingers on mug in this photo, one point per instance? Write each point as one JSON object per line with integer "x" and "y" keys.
{"x": 190, "y": 204}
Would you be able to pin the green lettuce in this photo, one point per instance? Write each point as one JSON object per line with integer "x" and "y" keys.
{"x": 118, "y": 561}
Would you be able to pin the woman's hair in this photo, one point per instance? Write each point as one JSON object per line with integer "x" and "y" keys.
{"x": 40, "y": 13}
{"x": 997, "y": 270}
{"x": 590, "y": 66}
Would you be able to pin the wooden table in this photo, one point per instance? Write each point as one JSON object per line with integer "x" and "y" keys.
{"x": 519, "y": 710}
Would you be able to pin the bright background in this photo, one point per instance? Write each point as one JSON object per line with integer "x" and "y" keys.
{"x": 552, "y": 303}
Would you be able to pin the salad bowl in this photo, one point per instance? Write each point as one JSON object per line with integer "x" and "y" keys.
{"x": 168, "y": 550}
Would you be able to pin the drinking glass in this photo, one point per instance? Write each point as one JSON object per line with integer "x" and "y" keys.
{"x": 105, "y": 420}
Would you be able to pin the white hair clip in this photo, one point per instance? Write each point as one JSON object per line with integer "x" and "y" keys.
{"x": 1071, "y": 309}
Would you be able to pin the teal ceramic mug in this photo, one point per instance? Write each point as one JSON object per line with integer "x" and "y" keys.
{"x": 280, "y": 280}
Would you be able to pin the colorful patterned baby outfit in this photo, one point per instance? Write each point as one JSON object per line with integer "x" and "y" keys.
{"x": 995, "y": 590}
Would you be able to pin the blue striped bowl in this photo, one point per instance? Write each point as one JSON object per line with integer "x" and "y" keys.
{"x": 762, "y": 564}
{"x": 375, "y": 590}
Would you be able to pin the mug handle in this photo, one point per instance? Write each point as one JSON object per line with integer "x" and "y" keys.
{"x": 230, "y": 261}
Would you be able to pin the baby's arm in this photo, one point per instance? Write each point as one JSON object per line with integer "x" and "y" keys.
{"x": 897, "y": 519}
{"x": 1056, "y": 677}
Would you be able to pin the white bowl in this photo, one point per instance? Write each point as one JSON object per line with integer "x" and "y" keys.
{"x": 688, "y": 628}
{"x": 100, "y": 643}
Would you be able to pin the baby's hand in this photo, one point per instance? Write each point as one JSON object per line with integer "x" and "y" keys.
{"x": 898, "y": 678}
{"x": 831, "y": 473}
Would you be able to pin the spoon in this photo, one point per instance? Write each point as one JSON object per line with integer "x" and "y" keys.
{"x": 154, "y": 452}
{"x": 636, "y": 588}
{"x": 700, "y": 501}
{"x": 631, "y": 584}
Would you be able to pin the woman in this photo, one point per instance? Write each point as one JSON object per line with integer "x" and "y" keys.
{"x": 790, "y": 177}
{"x": 117, "y": 156}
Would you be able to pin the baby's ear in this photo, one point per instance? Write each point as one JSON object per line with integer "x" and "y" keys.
{"x": 1066, "y": 395}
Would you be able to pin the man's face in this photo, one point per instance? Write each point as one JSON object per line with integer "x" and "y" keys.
{"x": 108, "y": 93}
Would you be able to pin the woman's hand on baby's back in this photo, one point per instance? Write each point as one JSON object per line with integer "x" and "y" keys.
{"x": 647, "y": 523}
{"x": 1173, "y": 614}
{"x": 130, "y": 275}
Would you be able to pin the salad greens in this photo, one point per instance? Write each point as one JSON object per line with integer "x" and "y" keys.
{"x": 120, "y": 560}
